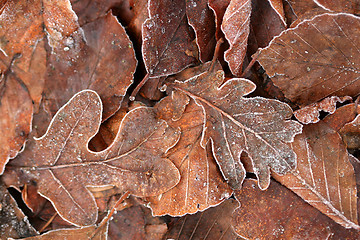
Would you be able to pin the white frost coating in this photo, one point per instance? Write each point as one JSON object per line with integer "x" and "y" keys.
{"x": 322, "y": 6}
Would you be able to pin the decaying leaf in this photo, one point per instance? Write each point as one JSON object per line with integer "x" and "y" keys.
{"x": 13, "y": 222}
{"x": 235, "y": 124}
{"x": 277, "y": 213}
{"x": 62, "y": 165}
{"x": 166, "y": 38}
{"x": 350, "y": 133}
{"x": 311, "y": 113}
{"x": 89, "y": 233}
{"x": 219, "y": 8}
{"x": 100, "y": 56}
{"x": 340, "y": 6}
{"x": 277, "y": 5}
{"x": 236, "y": 27}
{"x": 202, "y": 19}
{"x": 201, "y": 185}
{"x": 214, "y": 223}
{"x": 317, "y": 59}
{"x": 324, "y": 177}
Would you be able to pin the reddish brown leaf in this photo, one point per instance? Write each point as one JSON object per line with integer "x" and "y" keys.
{"x": 277, "y": 213}
{"x": 201, "y": 185}
{"x": 13, "y": 222}
{"x": 311, "y": 113}
{"x": 214, "y": 223}
{"x": 350, "y": 133}
{"x": 90, "y": 10}
{"x": 324, "y": 177}
{"x": 62, "y": 165}
{"x": 317, "y": 59}
{"x": 202, "y": 19}
{"x": 74, "y": 234}
{"x": 340, "y": 6}
{"x": 265, "y": 25}
{"x": 15, "y": 116}
{"x": 236, "y": 27}
{"x": 219, "y": 8}
{"x": 105, "y": 63}
{"x": 235, "y": 124}
{"x": 166, "y": 38}
{"x": 277, "y": 5}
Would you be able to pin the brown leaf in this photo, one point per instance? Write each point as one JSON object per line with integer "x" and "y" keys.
{"x": 311, "y": 113}
{"x": 166, "y": 38}
{"x": 105, "y": 62}
{"x": 340, "y": 6}
{"x": 277, "y": 213}
{"x": 324, "y": 177}
{"x": 62, "y": 165}
{"x": 317, "y": 59}
{"x": 13, "y": 222}
{"x": 277, "y": 5}
{"x": 219, "y": 8}
{"x": 74, "y": 234}
{"x": 235, "y": 124}
{"x": 350, "y": 133}
{"x": 90, "y": 10}
{"x": 265, "y": 25}
{"x": 201, "y": 185}
{"x": 236, "y": 27}
{"x": 214, "y": 223}
{"x": 202, "y": 19}
{"x": 15, "y": 114}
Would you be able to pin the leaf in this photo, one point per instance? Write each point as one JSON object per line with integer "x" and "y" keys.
{"x": 324, "y": 177}
{"x": 213, "y": 223}
{"x": 105, "y": 62}
{"x": 62, "y": 165}
{"x": 13, "y": 222}
{"x": 277, "y": 213}
{"x": 15, "y": 114}
{"x": 236, "y": 27}
{"x": 277, "y": 5}
{"x": 73, "y": 234}
{"x": 235, "y": 124}
{"x": 201, "y": 185}
{"x": 315, "y": 60}
{"x": 202, "y": 19}
{"x": 219, "y": 8}
{"x": 311, "y": 113}
{"x": 350, "y": 133}
{"x": 340, "y": 6}
{"x": 166, "y": 38}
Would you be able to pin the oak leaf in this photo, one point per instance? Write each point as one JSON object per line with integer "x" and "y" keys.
{"x": 317, "y": 59}
{"x": 62, "y": 165}
{"x": 201, "y": 185}
{"x": 235, "y": 124}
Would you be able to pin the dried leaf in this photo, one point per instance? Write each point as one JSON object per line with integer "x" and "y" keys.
{"x": 340, "y": 6}
{"x": 265, "y": 25}
{"x": 13, "y": 222}
{"x": 236, "y": 27}
{"x": 201, "y": 185}
{"x": 277, "y": 5}
{"x": 105, "y": 62}
{"x": 214, "y": 223}
{"x": 90, "y": 10}
{"x": 324, "y": 177}
{"x": 311, "y": 113}
{"x": 350, "y": 133}
{"x": 62, "y": 165}
{"x": 202, "y": 19}
{"x": 166, "y": 38}
{"x": 219, "y": 8}
{"x": 277, "y": 213}
{"x": 317, "y": 59}
{"x": 235, "y": 124}
{"x": 74, "y": 234}
{"x": 15, "y": 116}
